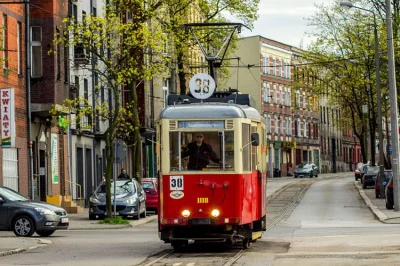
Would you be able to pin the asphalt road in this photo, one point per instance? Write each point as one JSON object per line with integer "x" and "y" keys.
{"x": 328, "y": 223}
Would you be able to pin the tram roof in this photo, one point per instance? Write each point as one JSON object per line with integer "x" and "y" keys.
{"x": 210, "y": 111}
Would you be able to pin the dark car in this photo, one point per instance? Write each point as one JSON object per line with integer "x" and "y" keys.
{"x": 150, "y": 186}
{"x": 389, "y": 194}
{"x": 388, "y": 175}
{"x": 359, "y": 172}
{"x": 130, "y": 200}
{"x": 306, "y": 170}
{"x": 25, "y": 217}
{"x": 370, "y": 176}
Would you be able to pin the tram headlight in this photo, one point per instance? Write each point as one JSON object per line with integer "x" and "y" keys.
{"x": 186, "y": 213}
{"x": 215, "y": 213}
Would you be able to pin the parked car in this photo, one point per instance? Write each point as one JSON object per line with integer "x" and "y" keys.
{"x": 389, "y": 194}
{"x": 306, "y": 170}
{"x": 130, "y": 200}
{"x": 25, "y": 217}
{"x": 150, "y": 186}
{"x": 388, "y": 175}
{"x": 359, "y": 172}
{"x": 364, "y": 170}
{"x": 370, "y": 176}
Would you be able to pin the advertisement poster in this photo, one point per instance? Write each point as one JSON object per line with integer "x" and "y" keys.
{"x": 54, "y": 158}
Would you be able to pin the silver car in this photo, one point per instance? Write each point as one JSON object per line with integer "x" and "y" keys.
{"x": 130, "y": 200}
{"x": 306, "y": 170}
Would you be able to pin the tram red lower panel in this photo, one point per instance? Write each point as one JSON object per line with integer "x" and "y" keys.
{"x": 239, "y": 198}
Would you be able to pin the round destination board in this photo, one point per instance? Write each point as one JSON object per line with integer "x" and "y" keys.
{"x": 202, "y": 86}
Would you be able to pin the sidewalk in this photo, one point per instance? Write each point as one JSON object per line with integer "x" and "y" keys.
{"x": 80, "y": 221}
{"x": 377, "y": 206}
{"x": 13, "y": 245}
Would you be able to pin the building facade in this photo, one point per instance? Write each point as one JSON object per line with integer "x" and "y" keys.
{"x": 14, "y": 155}
{"x": 289, "y": 106}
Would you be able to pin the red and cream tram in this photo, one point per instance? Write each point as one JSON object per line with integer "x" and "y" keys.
{"x": 221, "y": 201}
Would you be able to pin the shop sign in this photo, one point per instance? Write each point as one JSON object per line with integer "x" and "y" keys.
{"x": 277, "y": 144}
{"x": 7, "y": 118}
{"x": 289, "y": 144}
{"x": 54, "y": 158}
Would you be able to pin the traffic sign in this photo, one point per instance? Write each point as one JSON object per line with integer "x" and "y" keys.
{"x": 120, "y": 151}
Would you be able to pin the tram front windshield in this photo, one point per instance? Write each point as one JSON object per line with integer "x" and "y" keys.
{"x": 202, "y": 151}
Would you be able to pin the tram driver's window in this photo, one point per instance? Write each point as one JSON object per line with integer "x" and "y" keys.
{"x": 201, "y": 151}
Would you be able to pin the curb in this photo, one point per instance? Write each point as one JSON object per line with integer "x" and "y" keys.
{"x": 98, "y": 226}
{"x": 378, "y": 213}
{"x": 41, "y": 243}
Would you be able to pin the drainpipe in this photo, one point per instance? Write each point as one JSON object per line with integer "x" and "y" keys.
{"x": 94, "y": 121}
{"x": 28, "y": 96}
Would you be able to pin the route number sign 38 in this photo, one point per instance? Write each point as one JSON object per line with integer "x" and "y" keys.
{"x": 202, "y": 86}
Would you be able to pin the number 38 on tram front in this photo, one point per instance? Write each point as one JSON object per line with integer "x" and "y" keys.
{"x": 213, "y": 189}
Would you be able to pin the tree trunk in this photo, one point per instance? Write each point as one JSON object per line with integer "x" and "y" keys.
{"x": 137, "y": 138}
{"x": 181, "y": 74}
{"x": 110, "y": 140}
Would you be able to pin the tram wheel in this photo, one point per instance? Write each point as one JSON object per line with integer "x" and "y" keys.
{"x": 246, "y": 243}
{"x": 178, "y": 245}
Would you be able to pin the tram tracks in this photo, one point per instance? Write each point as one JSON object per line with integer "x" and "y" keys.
{"x": 280, "y": 204}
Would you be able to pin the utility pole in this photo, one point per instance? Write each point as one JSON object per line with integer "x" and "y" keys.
{"x": 393, "y": 106}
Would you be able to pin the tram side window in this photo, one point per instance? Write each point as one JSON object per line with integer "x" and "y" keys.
{"x": 246, "y": 148}
{"x": 254, "y": 152}
{"x": 229, "y": 150}
{"x": 174, "y": 150}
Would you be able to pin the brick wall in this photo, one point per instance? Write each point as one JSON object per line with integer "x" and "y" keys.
{"x": 11, "y": 79}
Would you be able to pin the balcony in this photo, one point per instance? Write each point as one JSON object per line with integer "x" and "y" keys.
{"x": 80, "y": 55}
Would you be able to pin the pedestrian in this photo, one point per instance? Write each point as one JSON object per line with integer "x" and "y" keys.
{"x": 123, "y": 175}
{"x": 200, "y": 153}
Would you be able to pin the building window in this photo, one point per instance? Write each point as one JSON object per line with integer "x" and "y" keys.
{"x": 288, "y": 126}
{"x": 297, "y": 98}
{"x": 264, "y": 64}
{"x": 165, "y": 91}
{"x": 5, "y": 42}
{"x": 19, "y": 48}
{"x": 280, "y": 95}
{"x": 274, "y": 66}
{"x": 266, "y": 92}
{"x": 275, "y": 98}
{"x": 276, "y": 124}
{"x": 268, "y": 122}
{"x": 36, "y": 50}
{"x": 282, "y": 127}
{"x": 58, "y": 56}
{"x": 278, "y": 66}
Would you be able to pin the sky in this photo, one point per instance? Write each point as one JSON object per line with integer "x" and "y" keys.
{"x": 285, "y": 20}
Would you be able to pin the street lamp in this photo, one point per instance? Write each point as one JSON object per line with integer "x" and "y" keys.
{"x": 378, "y": 91}
{"x": 393, "y": 105}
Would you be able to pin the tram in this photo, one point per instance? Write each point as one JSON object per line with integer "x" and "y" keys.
{"x": 224, "y": 200}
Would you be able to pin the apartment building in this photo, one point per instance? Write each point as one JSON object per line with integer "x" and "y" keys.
{"x": 268, "y": 81}
{"x": 14, "y": 155}
{"x": 305, "y": 111}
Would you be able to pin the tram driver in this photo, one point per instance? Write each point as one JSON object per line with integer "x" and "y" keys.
{"x": 200, "y": 153}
